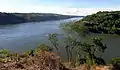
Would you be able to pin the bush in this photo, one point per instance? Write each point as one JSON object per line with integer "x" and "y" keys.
{"x": 44, "y": 47}
{"x": 39, "y": 48}
{"x": 4, "y": 53}
{"x": 116, "y": 61}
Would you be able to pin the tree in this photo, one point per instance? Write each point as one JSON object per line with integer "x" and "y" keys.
{"x": 91, "y": 49}
{"x": 54, "y": 40}
{"x": 69, "y": 46}
{"x": 101, "y": 22}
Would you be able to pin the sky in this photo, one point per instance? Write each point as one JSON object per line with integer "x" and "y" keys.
{"x": 66, "y": 7}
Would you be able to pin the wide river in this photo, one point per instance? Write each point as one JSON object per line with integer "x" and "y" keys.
{"x": 25, "y": 36}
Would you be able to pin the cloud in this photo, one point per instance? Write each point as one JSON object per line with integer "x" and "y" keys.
{"x": 88, "y": 11}
{"x": 25, "y": 6}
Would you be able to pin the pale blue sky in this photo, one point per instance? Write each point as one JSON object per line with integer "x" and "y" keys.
{"x": 72, "y": 7}
{"x": 79, "y": 3}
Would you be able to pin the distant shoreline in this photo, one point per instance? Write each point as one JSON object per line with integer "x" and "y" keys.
{"x": 17, "y": 18}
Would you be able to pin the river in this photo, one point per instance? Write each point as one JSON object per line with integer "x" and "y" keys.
{"x": 25, "y": 36}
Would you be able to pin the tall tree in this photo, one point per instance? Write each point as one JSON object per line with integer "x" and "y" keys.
{"x": 69, "y": 45}
{"x": 91, "y": 49}
{"x": 54, "y": 40}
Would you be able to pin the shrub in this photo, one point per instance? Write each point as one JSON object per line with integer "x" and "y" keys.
{"x": 4, "y": 53}
{"x": 44, "y": 47}
{"x": 116, "y": 61}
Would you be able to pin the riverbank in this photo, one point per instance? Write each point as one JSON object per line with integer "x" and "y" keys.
{"x": 17, "y": 18}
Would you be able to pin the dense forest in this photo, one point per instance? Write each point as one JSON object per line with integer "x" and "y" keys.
{"x": 101, "y": 22}
{"x": 14, "y": 18}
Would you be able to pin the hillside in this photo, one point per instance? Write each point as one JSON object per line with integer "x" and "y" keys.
{"x": 14, "y": 18}
{"x": 101, "y": 22}
{"x": 6, "y": 18}
{"x": 42, "y": 60}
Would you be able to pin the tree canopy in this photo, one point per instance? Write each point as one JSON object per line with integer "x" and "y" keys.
{"x": 101, "y": 22}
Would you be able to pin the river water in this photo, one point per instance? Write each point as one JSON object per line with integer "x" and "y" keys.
{"x": 25, "y": 36}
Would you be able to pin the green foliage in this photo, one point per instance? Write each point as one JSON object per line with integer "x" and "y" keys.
{"x": 101, "y": 22}
{"x": 69, "y": 46}
{"x": 54, "y": 40}
{"x": 98, "y": 43}
{"x": 85, "y": 51}
{"x": 31, "y": 52}
{"x": 4, "y": 53}
{"x": 116, "y": 61}
{"x": 39, "y": 48}
{"x": 96, "y": 23}
{"x": 6, "y": 56}
{"x": 66, "y": 27}
{"x": 90, "y": 50}
{"x": 44, "y": 47}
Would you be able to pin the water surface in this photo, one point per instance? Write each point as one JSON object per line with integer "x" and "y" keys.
{"x": 25, "y": 36}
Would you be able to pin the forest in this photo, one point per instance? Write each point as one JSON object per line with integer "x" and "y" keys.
{"x": 101, "y": 22}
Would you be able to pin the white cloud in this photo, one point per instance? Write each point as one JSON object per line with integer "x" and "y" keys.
{"x": 88, "y": 11}
{"x": 26, "y": 6}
